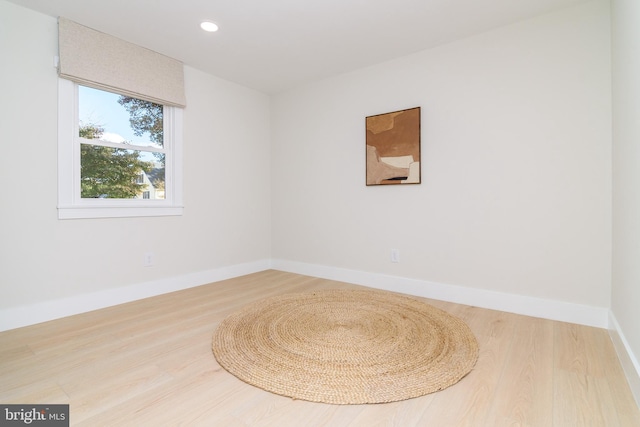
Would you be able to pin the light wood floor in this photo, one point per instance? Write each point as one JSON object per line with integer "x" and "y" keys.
{"x": 149, "y": 363}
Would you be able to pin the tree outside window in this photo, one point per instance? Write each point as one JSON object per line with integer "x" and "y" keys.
{"x": 112, "y": 167}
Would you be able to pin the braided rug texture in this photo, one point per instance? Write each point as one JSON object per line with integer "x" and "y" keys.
{"x": 345, "y": 346}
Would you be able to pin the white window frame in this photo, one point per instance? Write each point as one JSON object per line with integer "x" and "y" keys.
{"x": 70, "y": 203}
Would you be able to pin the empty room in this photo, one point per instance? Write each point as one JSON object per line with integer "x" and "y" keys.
{"x": 345, "y": 213}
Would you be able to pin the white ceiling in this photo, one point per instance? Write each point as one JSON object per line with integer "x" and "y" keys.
{"x": 274, "y": 45}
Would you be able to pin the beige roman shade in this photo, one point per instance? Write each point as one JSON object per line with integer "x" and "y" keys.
{"x": 92, "y": 58}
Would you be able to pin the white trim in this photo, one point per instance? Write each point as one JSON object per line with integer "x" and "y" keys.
{"x": 73, "y": 212}
{"x": 16, "y": 317}
{"x": 628, "y": 360}
{"x": 72, "y": 206}
{"x": 512, "y": 303}
{"x": 109, "y": 144}
{"x": 173, "y": 173}
{"x": 67, "y": 106}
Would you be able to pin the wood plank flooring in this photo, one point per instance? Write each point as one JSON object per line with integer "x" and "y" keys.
{"x": 149, "y": 362}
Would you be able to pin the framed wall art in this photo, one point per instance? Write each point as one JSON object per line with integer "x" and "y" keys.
{"x": 393, "y": 148}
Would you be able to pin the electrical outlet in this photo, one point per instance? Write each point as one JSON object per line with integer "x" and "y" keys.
{"x": 395, "y": 255}
{"x": 149, "y": 259}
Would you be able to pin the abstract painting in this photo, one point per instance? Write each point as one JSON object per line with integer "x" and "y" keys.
{"x": 393, "y": 147}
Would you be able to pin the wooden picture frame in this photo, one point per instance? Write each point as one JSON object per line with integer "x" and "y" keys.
{"x": 393, "y": 148}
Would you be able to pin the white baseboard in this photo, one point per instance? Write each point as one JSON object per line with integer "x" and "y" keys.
{"x": 628, "y": 360}
{"x": 519, "y": 304}
{"x": 16, "y": 317}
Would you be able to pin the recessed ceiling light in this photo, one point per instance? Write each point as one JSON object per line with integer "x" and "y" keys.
{"x": 209, "y": 26}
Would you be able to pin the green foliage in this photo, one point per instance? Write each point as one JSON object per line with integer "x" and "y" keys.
{"x": 144, "y": 116}
{"x": 91, "y": 131}
{"x": 109, "y": 172}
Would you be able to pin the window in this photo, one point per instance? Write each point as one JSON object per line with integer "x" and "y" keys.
{"x": 100, "y": 158}
{"x": 118, "y": 155}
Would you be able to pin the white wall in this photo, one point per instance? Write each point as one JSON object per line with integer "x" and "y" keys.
{"x": 515, "y": 196}
{"x": 626, "y": 180}
{"x": 516, "y": 164}
{"x": 515, "y": 200}
{"x": 226, "y": 186}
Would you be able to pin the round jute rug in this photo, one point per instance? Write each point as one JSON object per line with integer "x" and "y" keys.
{"x": 345, "y": 346}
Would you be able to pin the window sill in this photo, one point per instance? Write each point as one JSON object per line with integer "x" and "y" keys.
{"x": 117, "y": 212}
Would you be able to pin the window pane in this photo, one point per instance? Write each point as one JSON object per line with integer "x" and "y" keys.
{"x": 117, "y": 173}
{"x": 121, "y": 119}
